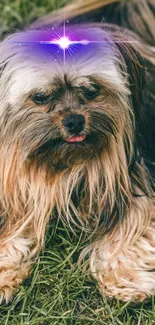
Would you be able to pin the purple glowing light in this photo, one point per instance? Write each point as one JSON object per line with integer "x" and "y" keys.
{"x": 63, "y": 42}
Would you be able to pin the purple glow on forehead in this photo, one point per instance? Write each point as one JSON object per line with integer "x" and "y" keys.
{"x": 63, "y": 42}
{"x": 69, "y": 43}
{"x": 57, "y": 36}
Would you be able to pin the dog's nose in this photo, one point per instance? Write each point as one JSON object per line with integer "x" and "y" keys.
{"x": 74, "y": 123}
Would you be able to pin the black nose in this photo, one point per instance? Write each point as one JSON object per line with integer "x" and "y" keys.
{"x": 74, "y": 123}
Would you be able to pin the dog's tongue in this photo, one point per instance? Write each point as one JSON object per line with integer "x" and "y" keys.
{"x": 77, "y": 138}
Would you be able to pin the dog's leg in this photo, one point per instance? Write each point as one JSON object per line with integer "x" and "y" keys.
{"x": 15, "y": 265}
{"x": 124, "y": 261}
{"x": 27, "y": 204}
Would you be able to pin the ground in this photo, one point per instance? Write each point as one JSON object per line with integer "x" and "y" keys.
{"x": 58, "y": 293}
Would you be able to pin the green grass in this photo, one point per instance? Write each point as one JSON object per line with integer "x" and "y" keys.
{"x": 58, "y": 293}
{"x": 15, "y": 14}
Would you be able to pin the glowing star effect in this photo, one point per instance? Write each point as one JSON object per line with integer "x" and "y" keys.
{"x": 67, "y": 40}
{"x": 63, "y": 42}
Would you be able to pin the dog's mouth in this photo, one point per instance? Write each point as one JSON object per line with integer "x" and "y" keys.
{"x": 76, "y": 138}
{"x": 64, "y": 152}
{"x": 77, "y": 146}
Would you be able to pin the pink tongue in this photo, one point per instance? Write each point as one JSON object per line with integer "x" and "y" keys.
{"x": 78, "y": 138}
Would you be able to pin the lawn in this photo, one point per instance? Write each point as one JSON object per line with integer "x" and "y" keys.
{"x": 58, "y": 293}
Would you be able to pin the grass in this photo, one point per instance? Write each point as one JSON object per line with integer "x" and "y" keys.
{"x": 58, "y": 293}
{"x": 15, "y": 14}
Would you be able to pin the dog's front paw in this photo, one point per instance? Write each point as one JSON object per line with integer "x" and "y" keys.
{"x": 125, "y": 289}
{"x": 126, "y": 273}
{"x": 126, "y": 281}
{"x": 10, "y": 279}
{"x": 15, "y": 266}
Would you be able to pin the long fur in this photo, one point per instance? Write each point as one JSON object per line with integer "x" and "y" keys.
{"x": 105, "y": 186}
{"x": 138, "y": 16}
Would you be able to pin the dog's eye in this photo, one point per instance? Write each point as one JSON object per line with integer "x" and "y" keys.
{"x": 41, "y": 98}
{"x": 91, "y": 93}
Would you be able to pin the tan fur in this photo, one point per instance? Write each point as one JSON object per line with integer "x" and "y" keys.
{"x": 72, "y": 10}
{"x": 32, "y": 188}
{"x": 135, "y": 14}
{"x": 123, "y": 261}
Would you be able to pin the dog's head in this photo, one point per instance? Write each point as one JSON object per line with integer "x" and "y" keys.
{"x": 65, "y": 113}
{"x": 73, "y": 109}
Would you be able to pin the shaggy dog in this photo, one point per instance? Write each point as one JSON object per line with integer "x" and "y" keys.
{"x": 77, "y": 141}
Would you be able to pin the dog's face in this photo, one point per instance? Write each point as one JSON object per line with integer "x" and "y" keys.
{"x": 64, "y": 113}
{"x": 68, "y": 125}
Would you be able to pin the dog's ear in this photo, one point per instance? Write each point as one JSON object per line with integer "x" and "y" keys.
{"x": 140, "y": 72}
{"x": 133, "y": 64}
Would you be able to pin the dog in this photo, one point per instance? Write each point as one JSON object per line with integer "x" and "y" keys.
{"x": 77, "y": 141}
